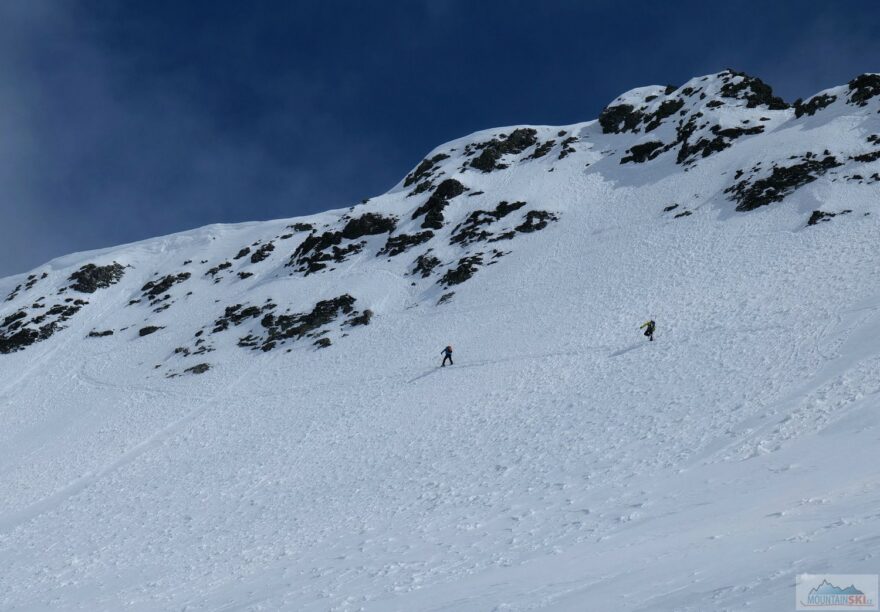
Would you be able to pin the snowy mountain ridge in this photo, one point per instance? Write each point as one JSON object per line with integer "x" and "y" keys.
{"x": 693, "y": 122}
{"x": 251, "y": 416}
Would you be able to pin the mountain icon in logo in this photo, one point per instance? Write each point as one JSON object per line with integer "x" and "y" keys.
{"x": 826, "y": 588}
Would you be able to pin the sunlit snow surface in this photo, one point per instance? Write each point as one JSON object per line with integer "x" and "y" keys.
{"x": 562, "y": 463}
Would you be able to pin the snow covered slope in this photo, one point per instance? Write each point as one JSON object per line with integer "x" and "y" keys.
{"x": 251, "y": 417}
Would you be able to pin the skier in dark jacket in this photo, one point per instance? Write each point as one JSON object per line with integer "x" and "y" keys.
{"x": 447, "y": 354}
{"x": 649, "y": 327}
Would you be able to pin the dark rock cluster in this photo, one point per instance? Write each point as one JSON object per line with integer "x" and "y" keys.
{"x": 279, "y": 328}
{"x": 867, "y": 157}
{"x": 200, "y": 368}
{"x": 445, "y": 298}
{"x": 536, "y": 220}
{"x": 471, "y": 229}
{"x": 543, "y": 149}
{"x": 465, "y": 269}
{"x": 363, "y": 318}
{"x": 154, "y": 290}
{"x": 21, "y": 339}
{"x": 425, "y": 264}
{"x": 566, "y": 147}
{"x": 90, "y": 277}
{"x": 813, "y": 105}
{"x": 262, "y": 253}
{"x": 666, "y": 109}
{"x": 17, "y": 332}
{"x": 493, "y": 150}
{"x": 369, "y": 224}
{"x": 720, "y": 140}
{"x": 432, "y": 209}
{"x": 695, "y": 136}
{"x": 312, "y": 253}
{"x": 643, "y": 152}
{"x": 820, "y": 216}
{"x": 318, "y": 250}
{"x": 870, "y": 155}
{"x": 425, "y": 168}
{"x": 222, "y": 266}
{"x": 863, "y": 88}
{"x": 620, "y": 118}
{"x": 750, "y": 194}
{"x": 751, "y": 89}
{"x": 237, "y": 314}
{"x": 403, "y": 242}
{"x": 32, "y": 280}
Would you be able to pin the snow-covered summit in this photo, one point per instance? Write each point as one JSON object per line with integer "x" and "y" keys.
{"x": 251, "y": 416}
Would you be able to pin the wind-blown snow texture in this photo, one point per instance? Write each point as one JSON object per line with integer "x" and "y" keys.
{"x": 251, "y": 417}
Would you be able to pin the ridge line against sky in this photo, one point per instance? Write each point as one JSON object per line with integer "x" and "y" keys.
{"x": 124, "y": 121}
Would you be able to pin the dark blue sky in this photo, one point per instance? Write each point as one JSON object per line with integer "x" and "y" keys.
{"x": 125, "y": 120}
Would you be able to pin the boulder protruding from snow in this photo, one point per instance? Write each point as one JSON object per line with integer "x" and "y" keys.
{"x": 90, "y": 277}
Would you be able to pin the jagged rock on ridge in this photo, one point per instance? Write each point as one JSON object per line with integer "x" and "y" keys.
{"x": 753, "y": 90}
{"x": 813, "y": 105}
{"x": 863, "y": 88}
{"x": 427, "y": 166}
{"x": 493, "y": 150}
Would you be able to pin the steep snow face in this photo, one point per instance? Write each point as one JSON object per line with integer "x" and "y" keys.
{"x": 252, "y": 416}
